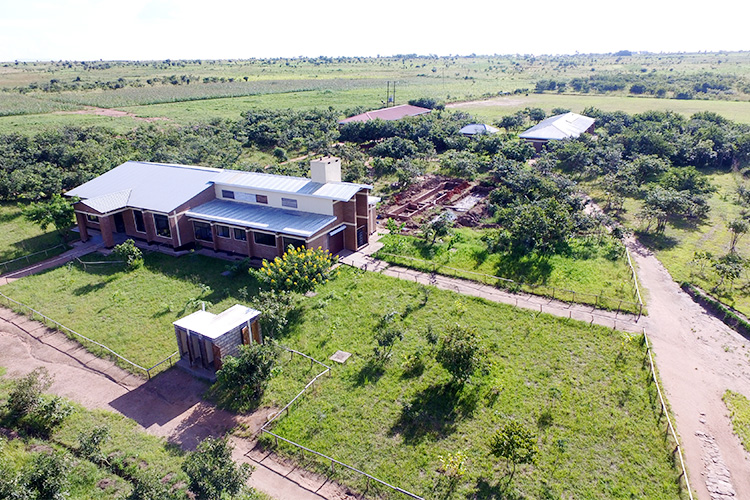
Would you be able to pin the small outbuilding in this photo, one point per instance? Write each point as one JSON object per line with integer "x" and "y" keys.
{"x": 204, "y": 338}
{"x": 557, "y": 128}
{"x": 478, "y": 129}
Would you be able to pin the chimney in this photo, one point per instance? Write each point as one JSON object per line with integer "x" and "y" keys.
{"x": 326, "y": 169}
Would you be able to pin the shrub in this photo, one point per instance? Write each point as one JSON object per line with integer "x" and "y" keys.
{"x": 242, "y": 379}
{"x": 458, "y": 352}
{"x": 211, "y": 471}
{"x": 514, "y": 443}
{"x": 299, "y": 269}
{"x": 48, "y": 476}
{"x": 129, "y": 253}
{"x": 26, "y": 394}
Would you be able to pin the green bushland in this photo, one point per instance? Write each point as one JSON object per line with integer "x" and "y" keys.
{"x": 584, "y": 390}
{"x": 584, "y": 269}
{"x": 131, "y": 312}
{"x": 739, "y": 411}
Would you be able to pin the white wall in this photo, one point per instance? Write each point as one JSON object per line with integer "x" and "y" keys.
{"x": 304, "y": 203}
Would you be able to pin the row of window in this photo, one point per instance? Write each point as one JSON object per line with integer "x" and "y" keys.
{"x": 255, "y": 198}
{"x": 203, "y": 232}
{"x": 161, "y": 223}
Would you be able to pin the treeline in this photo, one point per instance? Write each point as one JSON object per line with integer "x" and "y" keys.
{"x": 658, "y": 84}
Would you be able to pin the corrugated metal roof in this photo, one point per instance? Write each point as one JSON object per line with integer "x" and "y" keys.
{"x": 153, "y": 186}
{"x": 277, "y": 220}
{"x": 215, "y": 325}
{"x": 558, "y": 127}
{"x": 109, "y": 202}
{"x": 392, "y": 113}
{"x": 341, "y": 191}
{"x": 478, "y": 129}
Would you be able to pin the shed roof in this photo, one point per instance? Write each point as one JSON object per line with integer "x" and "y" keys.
{"x": 392, "y": 113}
{"x": 277, "y": 220}
{"x": 478, "y": 129}
{"x": 215, "y": 325}
{"x": 558, "y": 127}
{"x": 153, "y": 186}
{"x": 340, "y": 191}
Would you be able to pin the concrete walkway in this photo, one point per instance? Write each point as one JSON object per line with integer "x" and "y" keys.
{"x": 79, "y": 249}
{"x": 612, "y": 319}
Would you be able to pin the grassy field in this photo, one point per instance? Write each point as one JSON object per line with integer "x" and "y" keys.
{"x": 739, "y": 411}
{"x": 583, "y": 390}
{"x": 19, "y": 237}
{"x": 132, "y": 312}
{"x": 585, "y": 270}
{"x": 144, "y": 453}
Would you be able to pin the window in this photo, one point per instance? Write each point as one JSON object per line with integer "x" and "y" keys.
{"x": 261, "y": 198}
{"x": 139, "y": 223}
{"x": 296, "y": 243}
{"x": 203, "y": 231}
{"x": 222, "y": 231}
{"x": 240, "y": 234}
{"x": 265, "y": 239}
{"x": 225, "y": 193}
{"x": 289, "y": 203}
{"x": 92, "y": 218}
{"x": 161, "y": 223}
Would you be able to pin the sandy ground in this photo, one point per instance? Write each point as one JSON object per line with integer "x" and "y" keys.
{"x": 91, "y": 110}
{"x": 169, "y": 405}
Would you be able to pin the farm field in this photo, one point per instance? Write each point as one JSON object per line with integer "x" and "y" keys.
{"x": 582, "y": 390}
{"x": 585, "y": 270}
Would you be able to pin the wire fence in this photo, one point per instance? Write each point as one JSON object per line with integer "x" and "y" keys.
{"x": 51, "y": 323}
{"x": 665, "y": 412}
{"x": 303, "y": 449}
{"x": 26, "y": 259}
{"x": 597, "y": 300}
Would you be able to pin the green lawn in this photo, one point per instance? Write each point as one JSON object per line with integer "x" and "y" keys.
{"x": 19, "y": 237}
{"x": 739, "y": 411}
{"x": 584, "y": 390}
{"x": 132, "y": 312}
{"x": 585, "y": 270}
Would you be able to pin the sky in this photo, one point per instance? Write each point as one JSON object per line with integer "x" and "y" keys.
{"x": 226, "y": 29}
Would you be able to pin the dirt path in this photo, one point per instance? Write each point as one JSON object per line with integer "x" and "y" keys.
{"x": 169, "y": 405}
{"x": 115, "y": 113}
{"x": 698, "y": 358}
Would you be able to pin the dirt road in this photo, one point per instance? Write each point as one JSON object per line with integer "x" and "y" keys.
{"x": 169, "y": 405}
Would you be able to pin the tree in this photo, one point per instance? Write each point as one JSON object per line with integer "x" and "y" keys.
{"x": 458, "y": 352}
{"x": 243, "y": 378}
{"x": 211, "y": 471}
{"x": 57, "y": 212}
{"x": 129, "y": 253}
{"x": 386, "y": 335}
{"x": 514, "y": 443}
{"x": 438, "y": 227}
{"x": 737, "y": 228}
{"x": 729, "y": 267}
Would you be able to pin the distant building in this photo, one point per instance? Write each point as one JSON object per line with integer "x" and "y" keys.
{"x": 478, "y": 129}
{"x": 244, "y": 213}
{"x": 392, "y": 113}
{"x": 557, "y": 128}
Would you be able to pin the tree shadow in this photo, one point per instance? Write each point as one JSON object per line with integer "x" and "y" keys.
{"x": 93, "y": 287}
{"x": 370, "y": 373}
{"x": 498, "y": 491}
{"x": 656, "y": 241}
{"x": 529, "y": 268}
{"x": 434, "y": 412}
{"x": 31, "y": 245}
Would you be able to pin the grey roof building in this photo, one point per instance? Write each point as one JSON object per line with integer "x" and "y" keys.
{"x": 245, "y": 213}
{"x": 558, "y": 127}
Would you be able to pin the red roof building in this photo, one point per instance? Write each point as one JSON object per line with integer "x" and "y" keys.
{"x": 392, "y": 113}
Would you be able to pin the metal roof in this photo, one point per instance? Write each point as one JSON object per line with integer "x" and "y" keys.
{"x": 152, "y": 186}
{"x": 478, "y": 129}
{"x": 340, "y": 191}
{"x": 558, "y": 127}
{"x": 276, "y": 220}
{"x": 392, "y": 113}
{"x": 215, "y": 325}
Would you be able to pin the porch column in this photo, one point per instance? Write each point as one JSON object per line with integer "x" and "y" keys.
{"x": 214, "y": 237}
{"x": 105, "y": 225}
{"x": 82, "y": 229}
{"x": 248, "y": 240}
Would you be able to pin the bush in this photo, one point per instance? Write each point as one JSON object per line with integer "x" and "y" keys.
{"x": 299, "y": 269}
{"x": 129, "y": 253}
{"x": 48, "y": 476}
{"x": 26, "y": 394}
{"x": 242, "y": 379}
{"x": 514, "y": 443}
{"x": 458, "y": 352}
{"x": 211, "y": 471}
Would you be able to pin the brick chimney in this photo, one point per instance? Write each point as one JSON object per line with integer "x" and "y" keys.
{"x": 326, "y": 169}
